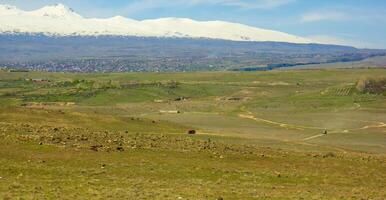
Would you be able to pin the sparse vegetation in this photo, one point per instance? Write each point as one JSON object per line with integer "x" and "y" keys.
{"x": 372, "y": 85}
{"x": 222, "y": 135}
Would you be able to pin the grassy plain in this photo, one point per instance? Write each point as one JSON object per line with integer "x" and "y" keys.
{"x": 259, "y": 135}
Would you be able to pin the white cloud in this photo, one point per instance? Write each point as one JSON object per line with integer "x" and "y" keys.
{"x": 275, "y": 3}
{"x": 142, "y": 5}
{"x": 324, "y": 16}
{"x": 254, "y": 4}
{"x": 327, "y": 39}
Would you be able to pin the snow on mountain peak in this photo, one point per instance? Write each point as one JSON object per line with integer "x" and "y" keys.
{"x": 61, "y": 20}
{"x": 8, "y": 10}
{"x": 118, "y": 18}
{"x": 121, "y": 19}
{"x": 7, "y": 7}
{"x": 55, "y": 11}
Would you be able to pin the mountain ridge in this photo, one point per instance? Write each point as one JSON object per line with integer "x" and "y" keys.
{"x": 56, "y": 38}
{"x": 61, "y": 20}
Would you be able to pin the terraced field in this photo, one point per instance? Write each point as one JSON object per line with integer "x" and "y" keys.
{"x": 264, "y": 135}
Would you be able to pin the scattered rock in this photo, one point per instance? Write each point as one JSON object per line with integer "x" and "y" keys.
{"x": 96, "y": 147}
{"x": 234, "y": 99}
{"x": 329, "y": 154}
{"x": 15, "y": 185}
{"x": 109, "y": 141}
{"x": 180, "y": 99}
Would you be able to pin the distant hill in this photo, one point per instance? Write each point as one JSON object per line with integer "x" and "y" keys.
{"x": 125, "y": 54}
{"x": 372, "y": 62}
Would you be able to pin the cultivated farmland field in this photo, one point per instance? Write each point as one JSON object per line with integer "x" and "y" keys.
{"x": 297, "y": 134}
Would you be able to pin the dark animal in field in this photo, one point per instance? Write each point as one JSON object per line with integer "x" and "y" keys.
{"x": 192, "y": 132}
{"x": 120, "y": 148}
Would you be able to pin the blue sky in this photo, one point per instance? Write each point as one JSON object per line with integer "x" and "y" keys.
{"x": 360, "y": 23}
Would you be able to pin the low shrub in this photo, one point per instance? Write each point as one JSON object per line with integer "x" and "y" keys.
{"x": 372, "y": 85}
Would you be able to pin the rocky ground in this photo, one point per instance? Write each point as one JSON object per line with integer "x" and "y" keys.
{"x": 46, "y": 162}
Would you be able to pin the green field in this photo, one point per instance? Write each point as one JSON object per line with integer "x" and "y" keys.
{"x": 260, "y": 135}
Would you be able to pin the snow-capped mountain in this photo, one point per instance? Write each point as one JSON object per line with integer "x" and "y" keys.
{"x": 60, "y": 20}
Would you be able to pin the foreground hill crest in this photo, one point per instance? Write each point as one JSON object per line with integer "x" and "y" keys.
{"x": 60, "y": 20}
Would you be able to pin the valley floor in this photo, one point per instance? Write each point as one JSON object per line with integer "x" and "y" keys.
{"x": 307, "y": 134}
